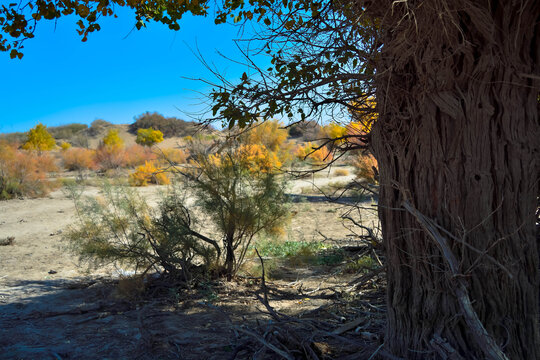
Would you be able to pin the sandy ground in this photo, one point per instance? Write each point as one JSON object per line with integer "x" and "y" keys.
{"x": 53, "y": 308}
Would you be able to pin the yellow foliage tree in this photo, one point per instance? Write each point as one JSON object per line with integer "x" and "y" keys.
{"x": 39, "y": 139}
{"x": 334, "y": 131}
{"x": 148, "y": 174}
{"x": 308, "y": 153}
{"x": 252, "y": 157}
{"x": 149, "y": 137}
{"x": 270, "y": 134}
{"x": 112, "y": 139}
{"x": 363, "y": 118}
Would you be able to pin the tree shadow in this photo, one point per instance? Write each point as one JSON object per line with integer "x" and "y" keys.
{"x": 84, "y": 319}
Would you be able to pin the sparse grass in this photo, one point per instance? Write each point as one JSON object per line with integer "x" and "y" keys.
{"x": 300, "y": 252}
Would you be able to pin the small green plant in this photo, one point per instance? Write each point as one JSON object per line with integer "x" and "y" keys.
{"x": 301, "y": 252}
{"x": 362, "y": 264}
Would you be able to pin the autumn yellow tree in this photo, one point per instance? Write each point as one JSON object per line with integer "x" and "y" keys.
{"x": 39, "y": 139}
{"x": 110, "y": 153}
{"x": 149, "y": 137}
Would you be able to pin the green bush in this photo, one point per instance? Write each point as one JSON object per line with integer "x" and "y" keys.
{"x": 241, "y": 198}
{"x": 169, "y": 126}
{"x": 240, "y": 203}
{"x": 121, "y": 228}
{"x": 66, "y": 132}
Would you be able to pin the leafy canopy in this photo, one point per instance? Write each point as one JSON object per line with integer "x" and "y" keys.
{"x": 323, "y": 54}
{"x": 39, "y": 139}
{"x": 113, "y": 140}
{"x": 149, "y": 137}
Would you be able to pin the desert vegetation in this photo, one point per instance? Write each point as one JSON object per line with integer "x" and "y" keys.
{"x": 431, "y": 107}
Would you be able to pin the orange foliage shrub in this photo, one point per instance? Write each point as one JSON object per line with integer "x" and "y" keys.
{"x": 365, "y": 168}
{"x": 315, "y": 157}
{"x": 148, "y": 174}
{"x": 79, "y": 159}
{"x": 136, "y": 155}
{"x": 23, "y": 173}
{"x": 110, "y": 157}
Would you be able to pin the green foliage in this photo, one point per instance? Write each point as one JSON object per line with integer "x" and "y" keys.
{"x": 362, "y": 264}
{"x": 97, "y": 126}
{"x": 14, "y": 138}
{"x": 241, "y": 203}
{"x": 121, "y": 228}
{"x": 39, "y": 139}
{"x": 305, "y": 130}
{"x": 148, "y": 137}
{"x": 66, "y": 132}
{"x": 301, "y": 252}
{"x": 169, "y": 126}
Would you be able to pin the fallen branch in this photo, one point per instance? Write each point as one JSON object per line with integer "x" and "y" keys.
{"x": 480, "y": 334}
{"x": 266, "y": 343}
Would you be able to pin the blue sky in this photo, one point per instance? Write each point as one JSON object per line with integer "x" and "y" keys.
{"x": 117, "y": 74}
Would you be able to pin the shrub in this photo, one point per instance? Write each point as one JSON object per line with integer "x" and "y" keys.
{"x": 365, "y": 168}
{"x": 270, "y": 134}
{"x": 148, "y": 137}
{"x": 97, "y": 126}
{"x": 136, "y": 155}
{"x": 120, "y": 228}
{"x": 79, "y": 159}
{"x": 334, "y": 132}
{"x": 170, "y": 126}
{"x": 173, "y": 156}
{"x": 39, "y": 139}
{"x": 66, "y": 132}
{"x": 256, "y": 158}
{"x": 311, "y": 154}
{"x": 241, "y": 203}
{"x": 65, "y": 145}
{"x": 307, "y": 130}
{"x": 148, "y": 173}
{"x": 23, "y": 173}
{"x": 109, "y": 158}
{"x": 110, "y": 153}
{"x": 112, "y": 139}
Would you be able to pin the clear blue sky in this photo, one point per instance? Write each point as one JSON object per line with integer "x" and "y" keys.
{"x": 117, "y": 74}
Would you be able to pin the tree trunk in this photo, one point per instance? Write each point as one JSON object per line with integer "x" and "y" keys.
{"x": 229, "y": 256}
{"x": 458, "y": 138}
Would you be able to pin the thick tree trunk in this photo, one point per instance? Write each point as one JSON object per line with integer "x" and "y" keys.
{"x": 458, "y": 139}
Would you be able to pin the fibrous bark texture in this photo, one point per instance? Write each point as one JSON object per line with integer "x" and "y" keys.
{"x": 458, "y": 139}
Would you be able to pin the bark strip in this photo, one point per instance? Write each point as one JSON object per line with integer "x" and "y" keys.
{"x": 481, "y": 336}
